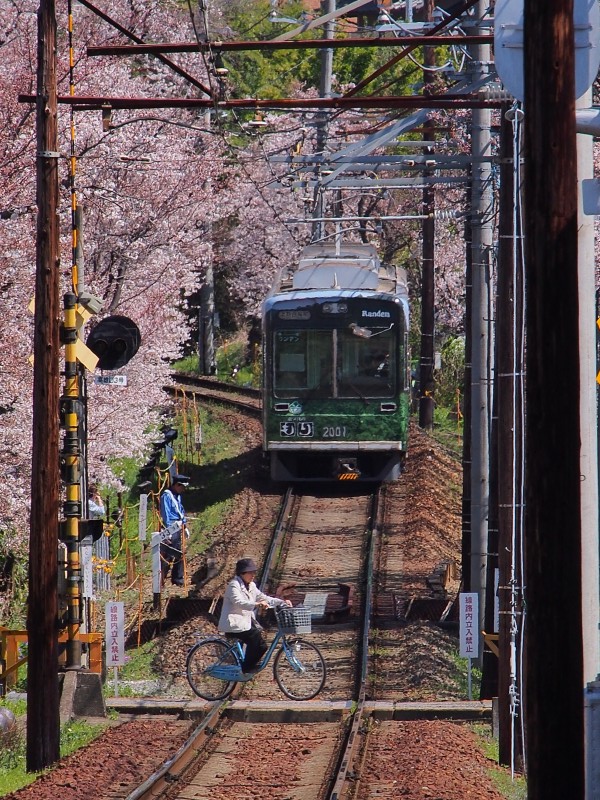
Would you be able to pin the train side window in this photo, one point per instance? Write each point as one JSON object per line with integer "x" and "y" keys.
{"x": 292, "y": 362}
{"x": 367, "y": 365}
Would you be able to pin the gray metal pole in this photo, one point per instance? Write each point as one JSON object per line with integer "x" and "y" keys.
{"x": 481, "y": 326}
{"x": 206, "y": 313}
{"x": 327, "y": 7}
{"x": 588, "y": 411}
{"x": 590, "y": 590}
{"x": 207, "y": 318}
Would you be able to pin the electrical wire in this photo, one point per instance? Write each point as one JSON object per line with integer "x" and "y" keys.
{"x": 218, "y": 124}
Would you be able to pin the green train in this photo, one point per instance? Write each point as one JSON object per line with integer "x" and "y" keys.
{"x": 336, "y": 367}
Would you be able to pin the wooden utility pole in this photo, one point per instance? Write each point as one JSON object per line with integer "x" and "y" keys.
{"x": 42, "y": 670}
{"x": 554, "y": 655}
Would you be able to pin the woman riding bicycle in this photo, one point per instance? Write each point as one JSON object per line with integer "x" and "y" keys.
{"x": 241, "y": 598}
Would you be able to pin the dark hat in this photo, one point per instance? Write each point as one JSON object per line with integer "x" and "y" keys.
{"x": 183, "y": 479}
{"x": 245, "y": 565}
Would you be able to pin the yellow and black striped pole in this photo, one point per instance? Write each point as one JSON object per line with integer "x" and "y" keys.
{"x": 71, "y": 463}
{"x": 71, "y": 413}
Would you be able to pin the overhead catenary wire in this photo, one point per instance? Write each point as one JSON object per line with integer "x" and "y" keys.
{"x": 217, "y": 121}
{"x": 243, "y": 162}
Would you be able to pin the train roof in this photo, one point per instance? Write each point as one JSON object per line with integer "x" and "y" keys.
{"x": 345, "y": 266}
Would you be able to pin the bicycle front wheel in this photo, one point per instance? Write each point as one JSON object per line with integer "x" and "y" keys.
{"x": 300, "y": 673}
{"x": 210, "y": 655}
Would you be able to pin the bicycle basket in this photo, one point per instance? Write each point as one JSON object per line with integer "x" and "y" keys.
{"x": 293, "y": 620}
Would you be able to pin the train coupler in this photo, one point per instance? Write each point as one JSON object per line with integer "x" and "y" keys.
{"x": 346, "y": 469}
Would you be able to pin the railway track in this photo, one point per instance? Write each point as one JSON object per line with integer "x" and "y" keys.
{"x": 327, "y": 552}
{"x": 210, "y": 390}
{"x": 320, "y": 555}
{"x": 360, "y": 737}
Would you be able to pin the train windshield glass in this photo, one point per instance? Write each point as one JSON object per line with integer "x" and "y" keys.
{"x": 340, "y": 363}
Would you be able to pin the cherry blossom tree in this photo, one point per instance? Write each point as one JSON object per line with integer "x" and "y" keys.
{"x": 164, "y": 194}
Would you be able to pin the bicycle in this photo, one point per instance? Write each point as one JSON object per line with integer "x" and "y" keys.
{"x": 214, "y": 664}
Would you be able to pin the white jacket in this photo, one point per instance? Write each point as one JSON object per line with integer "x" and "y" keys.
{"x": 239, "y": 604}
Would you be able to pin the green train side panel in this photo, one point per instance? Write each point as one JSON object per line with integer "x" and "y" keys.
{"x": 338, "y": 421}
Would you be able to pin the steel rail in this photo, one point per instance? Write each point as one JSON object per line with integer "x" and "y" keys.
{"x": 216, "y": 396}
{"x": 97, "y": 102}
{"x": 173, "y": 768}
{"x": 279, "y": 532}
{"x": 157, "y": 48}
{"x": 212, "y": 383}
{"x": 161, "y": 783}
{"x": 350, "y": 750}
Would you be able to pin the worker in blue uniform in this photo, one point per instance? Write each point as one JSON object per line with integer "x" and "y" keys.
{"x": 174, "y": 520}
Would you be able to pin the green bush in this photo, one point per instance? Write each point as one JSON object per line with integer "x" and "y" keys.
{"x": 231, "y": 358}
{"x": 451, "y": 378}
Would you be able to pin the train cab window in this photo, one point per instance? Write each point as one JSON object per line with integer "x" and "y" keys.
{"x": 302, "y": 363}
{"x": 334, "y": 364}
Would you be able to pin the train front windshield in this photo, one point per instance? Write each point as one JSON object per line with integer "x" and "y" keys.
{"x": 345, "y": 362}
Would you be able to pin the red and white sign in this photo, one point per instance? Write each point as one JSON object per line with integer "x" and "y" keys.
{"x": 469, "y": 624}
{"x": 115, "y": 634}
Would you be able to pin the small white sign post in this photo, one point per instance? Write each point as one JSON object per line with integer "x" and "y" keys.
{"x": 111, "y": 380}
{"x": 115, "y": 638}
{"x": 469, "y": 630}
{"x": 155, "y": 547}
{"x": 87, "y": 570}
{"x": 142, "y": 517}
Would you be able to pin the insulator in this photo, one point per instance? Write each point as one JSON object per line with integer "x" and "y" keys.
{"x": 446, "y": 214}
{"x": 495, "y": 94}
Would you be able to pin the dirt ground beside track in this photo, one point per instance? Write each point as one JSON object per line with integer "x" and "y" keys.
{"x": 445, "y": 761}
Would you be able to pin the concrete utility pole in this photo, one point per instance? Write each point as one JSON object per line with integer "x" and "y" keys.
{"x": 426, "y": 365}
{"x": 206, "y": 311}
{"x": 43, "y": 719}
{"x": 206, "y": 319}
{"x": 481, "y": 326}
{"x": 554, "y": 657}
{"x": 588, "y": 409}
{"x": 590, "y": 592}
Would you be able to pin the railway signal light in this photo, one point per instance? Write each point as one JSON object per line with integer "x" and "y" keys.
{"x": 169, "y": 434}
{"x": 115, "y": 340}
{"x": 85, "y": 528}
